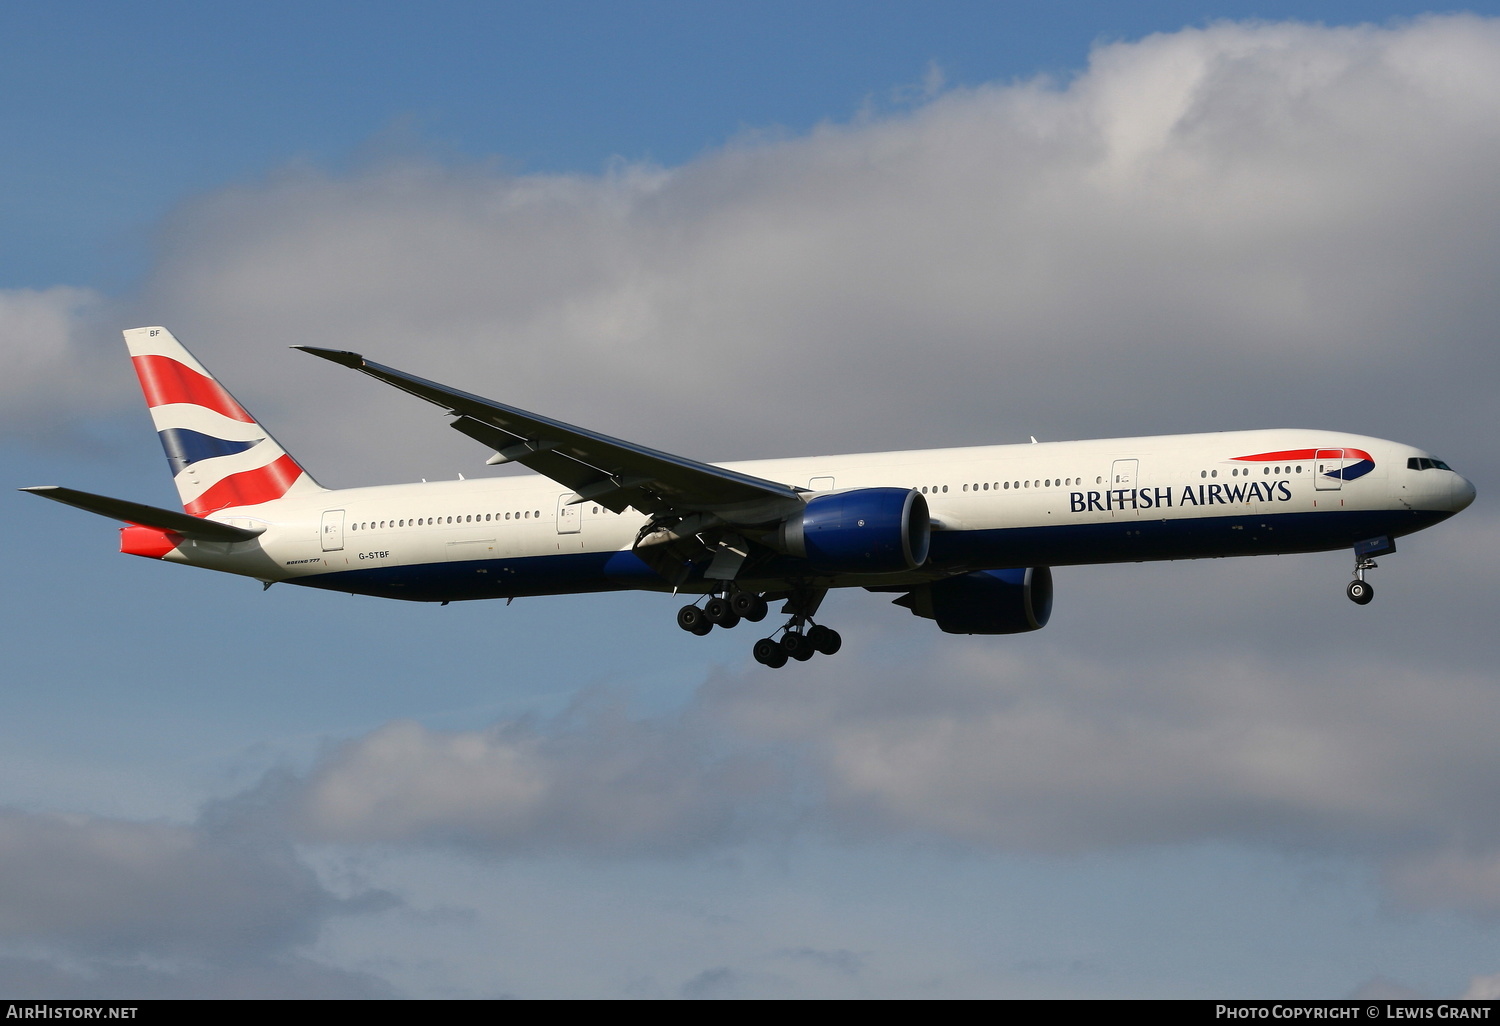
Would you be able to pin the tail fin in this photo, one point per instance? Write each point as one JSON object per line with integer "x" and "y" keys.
{"x": 220, "y": 457}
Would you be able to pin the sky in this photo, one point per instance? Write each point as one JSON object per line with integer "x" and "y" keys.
{"x": 783, "y": 230}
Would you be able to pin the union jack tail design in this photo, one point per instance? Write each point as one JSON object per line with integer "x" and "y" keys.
{"x": 220, "y": 456}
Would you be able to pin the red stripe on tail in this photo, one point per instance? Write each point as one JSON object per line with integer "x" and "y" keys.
{"x": 165, "y": 381}
{"x": 249, "y": 488}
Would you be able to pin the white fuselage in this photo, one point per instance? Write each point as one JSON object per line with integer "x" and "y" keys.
{"x": 1056, "y": 503}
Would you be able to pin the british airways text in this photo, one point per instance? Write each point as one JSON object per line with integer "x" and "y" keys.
{"x": 1191, "y": 495}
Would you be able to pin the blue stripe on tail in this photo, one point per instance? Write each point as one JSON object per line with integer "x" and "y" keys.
{"x": 185, "y": 447}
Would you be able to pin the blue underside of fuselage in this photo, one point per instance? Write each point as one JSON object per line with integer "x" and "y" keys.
{"x": 1119, "y": 541}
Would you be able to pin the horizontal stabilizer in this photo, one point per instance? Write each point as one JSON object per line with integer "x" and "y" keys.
{"x": 147, "y": 516}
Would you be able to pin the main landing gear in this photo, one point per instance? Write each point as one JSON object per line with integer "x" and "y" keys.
{"x": 801, "y": 639}
{"x": 722, "y": 612}
{"x": 800, "y": 642}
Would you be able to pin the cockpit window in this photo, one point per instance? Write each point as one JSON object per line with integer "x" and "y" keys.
{"x": 1423, "y": 463}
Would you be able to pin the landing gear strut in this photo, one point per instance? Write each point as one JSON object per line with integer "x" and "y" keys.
{"x": 1361, "y": 591}
{"x": 800, "y": 639}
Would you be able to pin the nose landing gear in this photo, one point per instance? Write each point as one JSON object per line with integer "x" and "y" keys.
{"x": 1361, "y": 591}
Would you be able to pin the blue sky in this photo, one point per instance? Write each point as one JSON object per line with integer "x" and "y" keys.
{"x": 876, "y": 224}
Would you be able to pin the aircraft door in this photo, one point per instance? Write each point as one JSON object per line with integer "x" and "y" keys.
{"x": 1122, "y": 478}
{"x": 1328, "y": 466}
{"x": 333, "y": 530}
{"x": 820, "y": 484}
{"x": 569, "y": 517}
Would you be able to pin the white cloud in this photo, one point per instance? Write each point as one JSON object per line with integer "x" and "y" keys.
{"x": 48, "y": 342}
{"x": 1078, "y": 740}
{"x": 1483, "y": 988}
{"x": 1048, "y": 752}
{"x": 595, "y": 781}
{"x": 1221, "y": 227}
{"x": 110, "y": 907}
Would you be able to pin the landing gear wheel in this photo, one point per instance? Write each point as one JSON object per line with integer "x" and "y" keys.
{"x": 748, "y": 606}
{"x": 825, "y": 639}
{"x": 692, "y": 620}
{"x": 1360, "y": 592}
{"x": 769, "y": 653}
{"x": 719, "y": 612}
{"x": 797, "y": 646}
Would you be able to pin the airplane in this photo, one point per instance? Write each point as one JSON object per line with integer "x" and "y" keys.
{"x": 966, "y": 537}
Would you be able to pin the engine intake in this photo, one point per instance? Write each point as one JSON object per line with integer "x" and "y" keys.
{"x": 861, "y": 531}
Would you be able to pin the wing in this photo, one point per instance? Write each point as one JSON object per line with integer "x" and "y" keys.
{"x": 598, "y": 468}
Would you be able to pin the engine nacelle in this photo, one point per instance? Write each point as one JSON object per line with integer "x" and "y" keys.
{"x": 861, "y": 531}
{"x": 987, "y": 601}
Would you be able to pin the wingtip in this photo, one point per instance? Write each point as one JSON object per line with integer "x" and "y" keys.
{"x": 339, "y": 356}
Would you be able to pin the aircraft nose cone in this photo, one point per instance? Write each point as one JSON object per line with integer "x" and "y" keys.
{"x": 1463, "y": 493}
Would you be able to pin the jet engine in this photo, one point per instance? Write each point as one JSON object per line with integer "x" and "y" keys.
{"x": 987, "y": 601}
{"x": 860, "y": 531}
